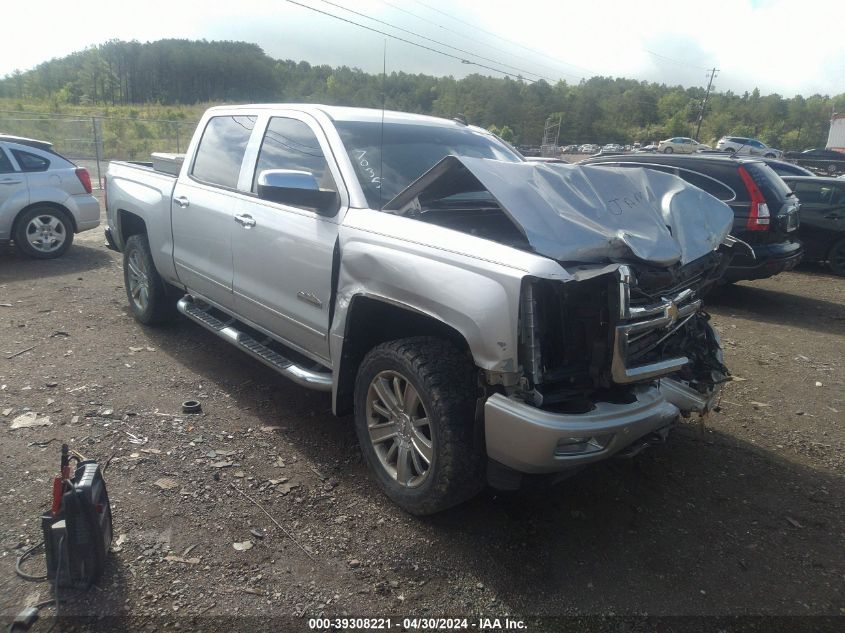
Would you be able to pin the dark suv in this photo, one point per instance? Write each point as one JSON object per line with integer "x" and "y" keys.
{"x": 765, "y": 210}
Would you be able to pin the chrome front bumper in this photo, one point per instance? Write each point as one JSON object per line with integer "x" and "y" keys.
{"x": 530, "y": 440}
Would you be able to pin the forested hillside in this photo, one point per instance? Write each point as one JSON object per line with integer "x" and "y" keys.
{"x": 601, "y": 109}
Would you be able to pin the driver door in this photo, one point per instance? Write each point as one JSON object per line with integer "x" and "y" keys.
{"x": 283, "y": 253}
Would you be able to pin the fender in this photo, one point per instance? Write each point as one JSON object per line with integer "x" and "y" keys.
{"x": 455, "y": 278}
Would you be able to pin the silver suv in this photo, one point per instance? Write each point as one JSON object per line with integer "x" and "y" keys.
{"x": 44, "y": 198}
{"x": 747, "y": 146}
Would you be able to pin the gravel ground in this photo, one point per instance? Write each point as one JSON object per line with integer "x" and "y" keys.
{"x": 741, "y": 514}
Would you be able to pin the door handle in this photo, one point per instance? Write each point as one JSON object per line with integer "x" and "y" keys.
{"x": 182, "y": 201}
{"x": 245, "y": 220}
{"x": 9, "y": 181}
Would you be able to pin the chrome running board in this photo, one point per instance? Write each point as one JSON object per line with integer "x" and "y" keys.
{"x": 321, "y": 381}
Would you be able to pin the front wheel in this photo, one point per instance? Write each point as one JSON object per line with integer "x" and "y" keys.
{"x": 668, "y": 150}
{"x": 145, "y": 289}
{"x": 836, "y": 258}
{"x": 44, "y": 232}
{"x": 415, "y": 420}
{"x": 831, "y": 169}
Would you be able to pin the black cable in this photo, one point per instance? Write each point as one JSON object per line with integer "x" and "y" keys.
{"x": 464, "y": 36}
{"x": 417, "y": 44}
{"x": 504, "y": 39}
{"x": 22, "y": 558}
{"x": 17, "y": 625}
{"x": 439, "y": 43}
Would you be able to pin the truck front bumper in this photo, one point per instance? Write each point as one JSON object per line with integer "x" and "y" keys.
{"x": 530, "y": 440}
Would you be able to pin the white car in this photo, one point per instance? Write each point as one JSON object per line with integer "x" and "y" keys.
{"x": 44, "y": 198}
{"x": 680, "y": 145}
{"x": 748, "y": 146}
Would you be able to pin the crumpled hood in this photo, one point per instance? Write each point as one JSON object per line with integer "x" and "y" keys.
{"x": 586, "y": 214}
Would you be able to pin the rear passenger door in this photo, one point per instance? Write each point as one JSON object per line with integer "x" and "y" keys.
{"x": 203, "y": 206}
{"x": 283, "y": 254}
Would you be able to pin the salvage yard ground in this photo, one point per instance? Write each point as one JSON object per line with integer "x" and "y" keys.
{"x": 742, "y": 514}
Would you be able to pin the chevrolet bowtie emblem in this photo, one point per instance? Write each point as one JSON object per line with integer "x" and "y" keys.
{"x": 672, "y": 313}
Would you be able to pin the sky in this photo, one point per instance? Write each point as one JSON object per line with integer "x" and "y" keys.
{"x": 777, "y": 46}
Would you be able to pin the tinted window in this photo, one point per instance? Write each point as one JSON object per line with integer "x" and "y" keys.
{"x": 290, "y": 144}
{"x": 409, "y": 150}
{"x": 812, "y": 192}
{"x": 710, "y": 185}
{"x": 5, "y": 163}
{"x": 771, "y": 185}
{"x": 221, "y": 150}
{"x": 30, "y": 162}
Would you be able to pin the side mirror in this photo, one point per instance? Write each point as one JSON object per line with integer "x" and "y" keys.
{"x": 296, "y": 188}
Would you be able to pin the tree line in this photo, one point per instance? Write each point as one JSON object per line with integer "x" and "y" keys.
{"x": 599, "y": 109}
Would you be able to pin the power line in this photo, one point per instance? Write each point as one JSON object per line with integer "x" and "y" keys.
{"x": 536, "y": 52}
{"x": 439, "y": 43}
{"x": 674, "y": 61}
{"x": 417, "y": 44}
{"x": 474, "y": 39}
{"x": 499, "y": 37}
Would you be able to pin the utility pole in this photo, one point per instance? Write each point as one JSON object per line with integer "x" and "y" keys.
{"x": 712, "y": 73}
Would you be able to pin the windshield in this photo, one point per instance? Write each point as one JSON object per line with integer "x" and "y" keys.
{"x": 410, "y": 150}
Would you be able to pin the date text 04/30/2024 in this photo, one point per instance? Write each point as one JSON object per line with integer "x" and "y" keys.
{"x": 411, "y": 624}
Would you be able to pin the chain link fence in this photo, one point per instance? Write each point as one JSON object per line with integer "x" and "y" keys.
{"x": 91, "y": 142}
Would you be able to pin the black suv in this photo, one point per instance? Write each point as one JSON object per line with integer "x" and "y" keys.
{"x": 765, "y": 210}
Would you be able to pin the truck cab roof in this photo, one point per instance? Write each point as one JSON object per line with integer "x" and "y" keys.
{"x": 343, "y": 113}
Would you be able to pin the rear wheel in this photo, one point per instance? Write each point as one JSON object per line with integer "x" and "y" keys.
{"x": 831, "y": 169}
{"x": 414, "y": 417}
{"x": 44, "y": 232}
{"x": 836, "y": 258}
{"x": 145, "y": 289}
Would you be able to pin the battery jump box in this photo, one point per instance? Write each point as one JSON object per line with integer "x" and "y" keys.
{"x": 78, "y": 528}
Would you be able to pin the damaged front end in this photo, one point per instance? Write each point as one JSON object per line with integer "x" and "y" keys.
{"x": 592, "y": 340}
{"x": 608, "y": 364}
{"x": 614, "y": 350}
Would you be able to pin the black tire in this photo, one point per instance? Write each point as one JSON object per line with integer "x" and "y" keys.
{"x": 836, "y": 258}
{"x": 152, "y": 304}
{"x": 668, "y": 150}
{"x": 445, "y": 380}
{"x": 831, "y": 169}
{"x": 57, "y": 236}
{"x": 770, "y": 156}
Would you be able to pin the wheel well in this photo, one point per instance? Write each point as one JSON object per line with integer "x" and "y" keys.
{"x": 53, "y": 205}
{"x": 130, "y": 224}
{"x": 370, "y": 322}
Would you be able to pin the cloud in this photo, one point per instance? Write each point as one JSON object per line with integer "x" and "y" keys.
{"x": 776, "y": 45}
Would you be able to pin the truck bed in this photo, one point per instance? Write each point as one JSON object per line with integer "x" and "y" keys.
{"x": 136, "y": 189}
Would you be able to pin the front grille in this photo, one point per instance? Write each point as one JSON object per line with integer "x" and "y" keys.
{"x": 643, "y": 325}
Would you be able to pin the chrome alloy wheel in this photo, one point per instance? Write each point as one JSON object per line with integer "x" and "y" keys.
{"x": 139, "y": 280}
{"x": 46, "y": 233}
{"x": 399, "y": 428}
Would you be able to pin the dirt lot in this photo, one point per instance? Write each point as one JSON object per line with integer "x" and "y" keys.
{"x": 745, "y": 515}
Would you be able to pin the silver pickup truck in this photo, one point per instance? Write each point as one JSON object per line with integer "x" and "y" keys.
{"x": 485, "y": 319}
